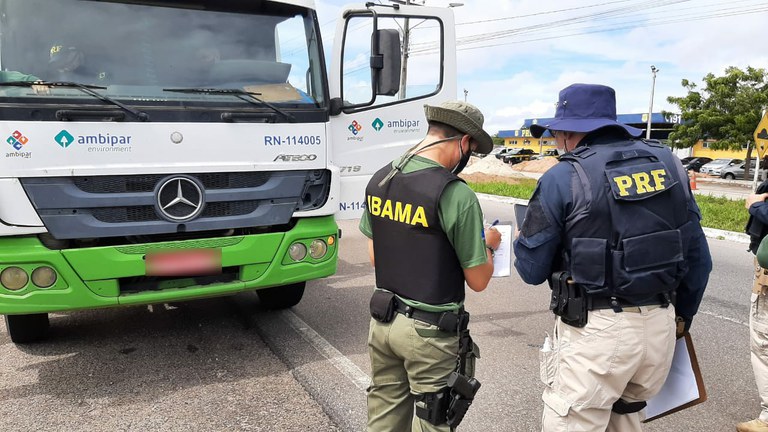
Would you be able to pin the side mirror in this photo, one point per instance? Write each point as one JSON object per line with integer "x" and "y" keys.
{"x": 384, "y": 62}
{"x": 386, "y": 59}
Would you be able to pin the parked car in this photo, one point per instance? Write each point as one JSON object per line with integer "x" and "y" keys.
{"x": 736, "y": 171}
{"x": 518, "y": 155}
{"x": 494, "y": 151}
{"x": 685, "y": 160}
{"x": 499, "y": 152}
{"x": 716, "y": 166}
{"x": 546, "y": 154}
{"x": 695, "y": 164}
{"x": 551, "y": 152}
{"x": 716, "y": 171}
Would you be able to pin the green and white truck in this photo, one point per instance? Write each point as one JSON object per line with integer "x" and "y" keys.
{"x": 161, "y": 151}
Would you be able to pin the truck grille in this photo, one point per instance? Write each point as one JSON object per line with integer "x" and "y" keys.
{"x": 114, "y": 206}
{"x": 147, "y": 183}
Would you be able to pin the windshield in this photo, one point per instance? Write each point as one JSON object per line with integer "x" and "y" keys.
{"x": 136, "y": 51}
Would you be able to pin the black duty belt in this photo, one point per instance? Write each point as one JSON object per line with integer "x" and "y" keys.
{"x": 447, "y": 321}
{"x": 619, "y": 305}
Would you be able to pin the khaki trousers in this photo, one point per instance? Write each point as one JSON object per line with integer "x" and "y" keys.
{"x": 623, "y": 355}
{"x": 405, "y": 364}
{"x": 758, "y": 336}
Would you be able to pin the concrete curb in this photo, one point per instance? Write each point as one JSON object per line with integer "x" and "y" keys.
{"x": 709, "y": 232}
{"x": 726, "y": 235}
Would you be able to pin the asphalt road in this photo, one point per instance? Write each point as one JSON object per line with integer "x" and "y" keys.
{"x": 228, "y": 364}
{"x": 196, "y": 366}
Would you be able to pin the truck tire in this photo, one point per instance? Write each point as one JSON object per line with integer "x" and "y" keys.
{"x": 27, "y": 328}
{"x": 281, "y": 297}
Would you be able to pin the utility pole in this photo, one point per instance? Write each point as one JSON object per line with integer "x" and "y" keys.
{"x": 404, "y": 61}
{"x": 465, "y": 94}
{"x": 650, "y": 107}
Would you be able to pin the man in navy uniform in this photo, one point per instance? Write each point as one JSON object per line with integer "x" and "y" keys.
{"x": 615, "y": 229}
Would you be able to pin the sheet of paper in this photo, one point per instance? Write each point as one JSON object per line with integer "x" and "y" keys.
{"x": 502, "y": 260}
{"x": 680, "y": 387}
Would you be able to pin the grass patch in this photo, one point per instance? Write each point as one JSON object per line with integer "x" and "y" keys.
{"x": 522, "y": 189}
{"x": 722, "y": 213}
{"x": 717, "y": 212}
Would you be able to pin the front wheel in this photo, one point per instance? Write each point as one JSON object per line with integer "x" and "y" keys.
{"x": 27, "y": 328}
{"x": 282, "y": 297}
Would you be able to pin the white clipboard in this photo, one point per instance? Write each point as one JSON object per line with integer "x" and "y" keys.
{"x": 502, "y": 257}
{"x": 684, "y": 386}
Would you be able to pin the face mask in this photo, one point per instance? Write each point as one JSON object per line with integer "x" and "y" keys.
{"x": 462, "y": 162}
{"x": 560, "y": 152}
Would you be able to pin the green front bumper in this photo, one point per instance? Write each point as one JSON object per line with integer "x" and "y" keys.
{"x": 90, "y": 277}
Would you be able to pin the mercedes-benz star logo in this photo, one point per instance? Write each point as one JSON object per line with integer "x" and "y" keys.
{"x": 179, "y": 199}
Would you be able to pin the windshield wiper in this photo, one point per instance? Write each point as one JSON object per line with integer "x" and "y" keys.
{"x": 85, "y": 88}
{"x": 250, "y": 97}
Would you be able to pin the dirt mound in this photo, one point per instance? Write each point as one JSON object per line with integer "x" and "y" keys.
{"x": 488, "y": 165}
{"x": 491, "y": 178}
{"x": 488, "y": 170}
{"x": 537, "y": 166}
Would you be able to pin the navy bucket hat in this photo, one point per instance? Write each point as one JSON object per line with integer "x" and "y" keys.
{"x": 585, "y": 108}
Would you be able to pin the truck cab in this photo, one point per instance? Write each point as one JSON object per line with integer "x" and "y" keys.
{"x": 164, "y": 151}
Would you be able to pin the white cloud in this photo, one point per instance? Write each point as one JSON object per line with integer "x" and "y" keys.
{"x": 519, "y": 78}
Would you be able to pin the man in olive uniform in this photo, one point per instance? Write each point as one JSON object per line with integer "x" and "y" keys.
{"x": 426, "y": 240}
{"x": 615, "y": 229}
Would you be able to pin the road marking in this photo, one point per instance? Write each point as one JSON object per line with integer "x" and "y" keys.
{"x": 733, "y": 320}
{"x": 337, "y": 359}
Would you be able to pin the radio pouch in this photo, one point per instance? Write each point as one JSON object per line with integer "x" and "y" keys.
{"x": 568, "y": 300}
{"x": 383, "y": 306}
{"x": 575, "y": 313}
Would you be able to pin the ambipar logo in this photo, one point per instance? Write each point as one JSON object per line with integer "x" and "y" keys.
{"x": 64, "y": 138}
{"x": 102, "y": 143}
{"x": 355, "y": 127}
{"x": 17, "y": 140}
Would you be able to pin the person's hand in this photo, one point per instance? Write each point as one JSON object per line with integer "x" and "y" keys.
{"x": 492, "y": 238}
{"x": 753, "y": 198}
{"x": 680, "y": 327}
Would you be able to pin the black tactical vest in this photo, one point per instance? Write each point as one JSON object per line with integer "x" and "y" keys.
{"x": 414, "y": 258}
{"x": 628, "y": 230}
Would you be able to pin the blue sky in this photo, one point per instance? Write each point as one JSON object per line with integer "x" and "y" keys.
{"x": 516, "y": 55}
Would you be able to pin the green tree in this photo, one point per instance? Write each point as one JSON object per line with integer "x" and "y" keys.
{"x": 497, "y": 141}
{"x": 726, "y": 110}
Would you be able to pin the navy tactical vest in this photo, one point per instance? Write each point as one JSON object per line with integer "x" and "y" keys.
{"x": 628, "y": 230}
{"x": 414, "y": 258}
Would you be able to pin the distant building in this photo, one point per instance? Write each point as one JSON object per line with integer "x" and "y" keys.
{"x": 661, "y": 126}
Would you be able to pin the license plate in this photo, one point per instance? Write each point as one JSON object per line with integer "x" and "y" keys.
{"x": 190, "y": 262}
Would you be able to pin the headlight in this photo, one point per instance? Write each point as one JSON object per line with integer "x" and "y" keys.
{"x": 317, "y": 249}
{"x": 44, "y": 277}
{"x": 14, "y": 278}
{"x": 297, "y": 251}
